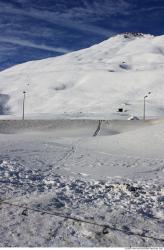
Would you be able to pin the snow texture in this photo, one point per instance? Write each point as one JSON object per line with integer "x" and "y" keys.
{"x": 86, "y": 178}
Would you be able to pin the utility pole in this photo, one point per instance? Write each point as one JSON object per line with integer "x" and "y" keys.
{"x": 144, "y": 109}
{"x": 24, "y": 97}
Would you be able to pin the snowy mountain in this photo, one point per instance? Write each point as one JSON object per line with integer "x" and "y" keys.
{"x": 116, "y": 73}
{"x": 83, "y": 182}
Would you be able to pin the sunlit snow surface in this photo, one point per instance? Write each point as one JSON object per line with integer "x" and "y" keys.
{"x": 113, "y": 179}
{"x": 116, "y": 73}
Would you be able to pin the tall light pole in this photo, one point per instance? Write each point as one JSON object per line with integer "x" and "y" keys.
{"x": 144, "y": 110}
{"x": 24, "y": 97}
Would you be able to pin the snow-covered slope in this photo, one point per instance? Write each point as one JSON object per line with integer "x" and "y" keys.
{"x": 116, "y": 73}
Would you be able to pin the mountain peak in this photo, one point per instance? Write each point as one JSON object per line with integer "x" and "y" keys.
{"x": 134, "y": 35}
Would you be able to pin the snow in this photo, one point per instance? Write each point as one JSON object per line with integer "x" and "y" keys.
{"x": 63, "y": 169}
{"x": 99, "y": 79}
{"x": 61, "y": 186}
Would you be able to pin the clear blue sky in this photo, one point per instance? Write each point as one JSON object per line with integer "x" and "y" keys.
{"x": 36, "y": 29}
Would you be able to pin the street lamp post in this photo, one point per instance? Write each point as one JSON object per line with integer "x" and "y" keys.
{"x": 144, "y": 110}
{"x": 24, "y": 97}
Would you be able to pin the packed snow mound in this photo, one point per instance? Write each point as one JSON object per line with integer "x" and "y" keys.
{"x": 116, "y": 73}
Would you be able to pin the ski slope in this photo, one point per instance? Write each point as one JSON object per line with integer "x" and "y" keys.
{"x": 116, "y": 73}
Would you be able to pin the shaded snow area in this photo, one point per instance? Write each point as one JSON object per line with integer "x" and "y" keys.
{"x": 71, "y": 191}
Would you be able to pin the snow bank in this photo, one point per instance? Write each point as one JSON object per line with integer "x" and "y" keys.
{"x": 72, "y": 128}
{"x": 143, "y": 142}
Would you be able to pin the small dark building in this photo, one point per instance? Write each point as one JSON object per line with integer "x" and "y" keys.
{"x": 120, "y": 110}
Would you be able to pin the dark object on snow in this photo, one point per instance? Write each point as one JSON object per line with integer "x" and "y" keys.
{"x": 25, "y": 212}
{"x": 120, "y": 110}
{"x": 124, "y": 65}
{"x": 105, "y": 230}
{"x": 131, "y": 188}
{"x": 131, "y": 118}
{"x": 98, "y": 128}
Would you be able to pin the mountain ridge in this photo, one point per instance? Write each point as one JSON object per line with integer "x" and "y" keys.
{"x": 120, "y": 69}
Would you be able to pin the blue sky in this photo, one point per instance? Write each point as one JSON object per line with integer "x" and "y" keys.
{"x": 36, "y": 29}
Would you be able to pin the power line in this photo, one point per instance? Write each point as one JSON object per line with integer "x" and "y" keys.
{"x": 35, "y": 186}
{"x": 104, "y": 226}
